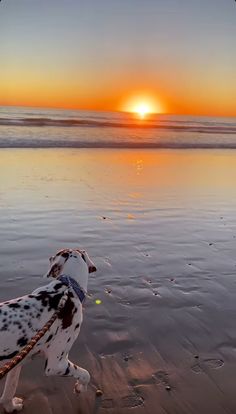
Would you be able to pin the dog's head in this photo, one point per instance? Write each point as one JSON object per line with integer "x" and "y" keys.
{"x": 72, "y": 262}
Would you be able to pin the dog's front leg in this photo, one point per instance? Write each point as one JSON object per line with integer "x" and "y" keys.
{"x": 8, "y": 401}
{"x": 66, "y": 368}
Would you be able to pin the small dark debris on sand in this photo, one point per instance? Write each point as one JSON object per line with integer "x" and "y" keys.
{"x": 99, "y": 393}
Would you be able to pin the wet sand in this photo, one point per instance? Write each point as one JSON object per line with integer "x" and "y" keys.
{"x": 160, "y": 226}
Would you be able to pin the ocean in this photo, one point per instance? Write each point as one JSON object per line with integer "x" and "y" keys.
{"x": 57, "y": 128}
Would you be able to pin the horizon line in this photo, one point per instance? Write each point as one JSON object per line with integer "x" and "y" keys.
{"x": 114, "y": 110}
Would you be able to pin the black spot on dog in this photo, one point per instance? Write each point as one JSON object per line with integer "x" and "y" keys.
{"x": 58, "y": 286}
{"x": 9, "y": 356}
{"x": 43, "y": 297}
{"x": 4, "y": 327}
{"x": 26, "y": 307}
{"x": 77, "y": 326}
{"x": 67, "y": 371}
{"x": 49, "y": 300}
{"x": 22, "y": 341}
{"x": 54, "y": 301}
{"x": 63, "y": 251}
{"x": 14, "y": 305}
{"x": 65, "y": 255}
{"x": 46, "y": 363}
{"x": 49, "y": 338}
{"x": 67, "y": 313}
{"x": 55, "y": 270}
{"x": 68, "y": 340}
{"x": 17, "y": 323}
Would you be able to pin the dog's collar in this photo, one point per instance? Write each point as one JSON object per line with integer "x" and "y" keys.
{"x": 70, "y": 282}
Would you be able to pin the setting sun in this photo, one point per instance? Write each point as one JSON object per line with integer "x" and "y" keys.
{"x": 142, "y": 109}
{"x": 142, "y": 105}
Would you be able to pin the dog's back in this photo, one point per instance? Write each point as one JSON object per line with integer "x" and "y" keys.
{"x": 21, "y": 318}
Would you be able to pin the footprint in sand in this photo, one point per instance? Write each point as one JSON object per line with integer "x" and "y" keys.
{"x": 107, "y": 403}
{"x": 132, "y": 401}
{"x": 127, "y": 357}
{"x": 214, "y": 363}
{"x": 208, "y": 363}
{"x": 197, "y": 369}
{"x": 161, "y": 377}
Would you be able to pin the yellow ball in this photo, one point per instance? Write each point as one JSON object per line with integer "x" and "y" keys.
{"x": 98, "y": 302}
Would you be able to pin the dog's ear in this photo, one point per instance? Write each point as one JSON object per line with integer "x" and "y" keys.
{"x": 57, "y": 262}
{"x": 54, "y": 270}
{"x": 65, "y": 255}
{"x": 91, "y": 267}
{"x": 51, "y": 259}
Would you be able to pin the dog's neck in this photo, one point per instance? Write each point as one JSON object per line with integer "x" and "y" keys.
{"x": 71, "y": 283}
{"x": 80, "y": 275}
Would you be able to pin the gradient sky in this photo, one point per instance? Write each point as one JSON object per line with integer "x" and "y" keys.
{"x": 99, "y": 54}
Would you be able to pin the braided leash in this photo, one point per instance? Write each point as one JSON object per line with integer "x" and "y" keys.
{"x": 24, "y": 352}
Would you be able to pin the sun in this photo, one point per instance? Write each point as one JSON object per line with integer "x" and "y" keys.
{"x": 142, "y": 109}
{"x": 142, "y": 105}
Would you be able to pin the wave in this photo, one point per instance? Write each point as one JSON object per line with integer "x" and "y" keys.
{"x": 208, "y": 128}
{"x": 114, "y": 145}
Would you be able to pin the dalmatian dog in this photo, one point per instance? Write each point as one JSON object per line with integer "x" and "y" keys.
{"x": 23, "y": 317}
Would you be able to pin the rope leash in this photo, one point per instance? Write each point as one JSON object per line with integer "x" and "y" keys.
{"x": 27, "y": 348}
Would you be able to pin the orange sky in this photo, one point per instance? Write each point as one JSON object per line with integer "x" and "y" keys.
{"x": 90, "y": 57}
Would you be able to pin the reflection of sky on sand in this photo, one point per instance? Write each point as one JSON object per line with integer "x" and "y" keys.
{"x": 109, "y": 178}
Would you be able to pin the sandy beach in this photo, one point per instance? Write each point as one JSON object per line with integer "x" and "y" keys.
{"x": 160, "y": 227}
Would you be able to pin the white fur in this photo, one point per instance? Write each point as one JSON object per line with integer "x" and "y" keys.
{"x": 22, "y": 317}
